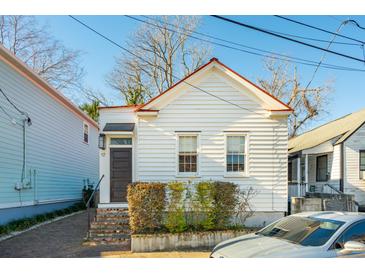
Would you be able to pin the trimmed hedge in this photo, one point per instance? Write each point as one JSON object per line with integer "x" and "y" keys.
{"x": 177, "y": 206}
{"x": 175, "y": 220}
{"x": 146, "y": 204}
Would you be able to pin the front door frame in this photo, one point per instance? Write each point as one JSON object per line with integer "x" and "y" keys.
{"x": 110, "y": 146}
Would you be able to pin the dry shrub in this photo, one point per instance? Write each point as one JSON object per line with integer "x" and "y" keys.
{"x": 146, "y": 204}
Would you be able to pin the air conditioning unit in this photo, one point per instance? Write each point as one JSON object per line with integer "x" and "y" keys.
{"x": 362, "y": 175}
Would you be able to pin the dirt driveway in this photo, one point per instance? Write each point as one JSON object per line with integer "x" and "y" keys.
{"x": 62, "y": 238}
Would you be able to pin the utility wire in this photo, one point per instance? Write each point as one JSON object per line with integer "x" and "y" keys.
{"x": 324, "y": 54}
{"x": 321, "y": 29}
{"x": 7, "y": 98}
{"x": 285, "y": 57}
{"x": 287, "y": 38}
{"x": 142, "y": 59}
{"x": 235, "y": 43}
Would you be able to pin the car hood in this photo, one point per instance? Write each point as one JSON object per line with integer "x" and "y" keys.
{"x": 252, "y": 245}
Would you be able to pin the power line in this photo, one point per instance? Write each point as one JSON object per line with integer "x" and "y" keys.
{"x": 286, "y": 38}
{"x": 184, "y": 81}
{"x": 285, "y": 57}
{"x": 355, "y": 23}
{"x": 282, "y": 33}
{"x": 324, "y": 55}
{"x": 320, "y": 29}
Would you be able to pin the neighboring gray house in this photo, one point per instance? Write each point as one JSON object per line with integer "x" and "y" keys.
{"x": 330, "y": 157}
{"x": 48, "y": 146}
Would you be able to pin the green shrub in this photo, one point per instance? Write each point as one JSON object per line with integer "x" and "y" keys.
{"x": 225, "y": 201}
{"x": 175, "y": 221}
{"x": 203, "y": 206}
{"x": 146, "y": 204}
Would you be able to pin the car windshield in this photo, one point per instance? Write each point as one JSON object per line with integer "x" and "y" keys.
{"x": 306, "y": 231}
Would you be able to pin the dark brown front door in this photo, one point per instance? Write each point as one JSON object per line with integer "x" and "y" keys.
{"x": 120, "y": 173}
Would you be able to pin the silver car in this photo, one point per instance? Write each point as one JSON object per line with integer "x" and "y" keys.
{"x": 304, "y": 235}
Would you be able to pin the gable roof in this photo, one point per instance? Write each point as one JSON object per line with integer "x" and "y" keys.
{"x": 342, "y": 128}
{"x": 19, "y": 66}
{"x": 276, "y": 104}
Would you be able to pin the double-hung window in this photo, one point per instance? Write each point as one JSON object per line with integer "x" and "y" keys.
{"x": 188, "y": 154}
{"x": 236, "y": 154}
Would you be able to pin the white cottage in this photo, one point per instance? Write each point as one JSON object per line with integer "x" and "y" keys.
{"x": 330, "y": 158}
{"x": 212, "y": 125}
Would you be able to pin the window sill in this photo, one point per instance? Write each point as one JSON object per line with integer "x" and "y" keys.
{"x": 180, "y": 175}
{"x": 236, "y": 175}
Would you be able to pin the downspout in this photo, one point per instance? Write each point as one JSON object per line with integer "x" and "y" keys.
{"x": 342, "y": 167}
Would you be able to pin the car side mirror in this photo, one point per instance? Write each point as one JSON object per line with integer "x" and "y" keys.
{"x": 354, "y": 246}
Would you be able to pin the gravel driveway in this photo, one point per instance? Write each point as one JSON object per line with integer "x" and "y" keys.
{"x": 62, "y": 238}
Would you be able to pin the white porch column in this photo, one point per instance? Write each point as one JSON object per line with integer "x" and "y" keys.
{"x": 306, "y": 173}
{"x": 298, "y": 175}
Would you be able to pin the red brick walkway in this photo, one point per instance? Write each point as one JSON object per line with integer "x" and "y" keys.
{"x": 62, "y": 238}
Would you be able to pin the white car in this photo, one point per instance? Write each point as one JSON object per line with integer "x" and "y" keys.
{"x": 304, "y": 235}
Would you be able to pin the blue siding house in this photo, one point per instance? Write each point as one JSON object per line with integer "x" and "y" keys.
{"x": 48, "y": 146}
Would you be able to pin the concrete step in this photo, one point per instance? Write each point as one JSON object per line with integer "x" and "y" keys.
{"x": 107, "y": 242}
{"x": 109, "y": 236}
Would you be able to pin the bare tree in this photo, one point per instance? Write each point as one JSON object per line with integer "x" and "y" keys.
{"x": 34, "y": 45}
{"x": 308, "y": 104}
{"x": 163, "y": 51}
{"x": 244, "y": 208}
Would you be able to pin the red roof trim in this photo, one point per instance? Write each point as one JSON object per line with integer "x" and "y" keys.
{"x": 231, "y": 70}
{"x": 128, "y": 106}
{"x": 182, "y": 80}
{"x": 256, "y": 86}
{"x": 148, "y": 110}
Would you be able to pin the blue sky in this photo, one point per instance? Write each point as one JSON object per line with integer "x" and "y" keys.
{"x": 348, "y": 87}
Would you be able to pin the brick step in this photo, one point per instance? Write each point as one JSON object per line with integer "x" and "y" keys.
{"x": 108, "y": 226}
{"x": 123, "y": 221}
{"x": 112, "y": 210}
{"x": 109, "y": 231}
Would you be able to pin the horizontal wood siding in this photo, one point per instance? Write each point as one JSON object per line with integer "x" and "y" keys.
{"x": 198, "y": 111}
{"x": 55, "y": 147}
{"x": 353, "y": 184}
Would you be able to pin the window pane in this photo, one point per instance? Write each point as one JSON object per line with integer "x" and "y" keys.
{"x": 322, "y": 168}
{"x": 187, "y": 162}
{"x": 235, "y": 144}
{"x": 187, "y": 143}
{"x": 362, "y": 160}
{"x": 121, "y": 141}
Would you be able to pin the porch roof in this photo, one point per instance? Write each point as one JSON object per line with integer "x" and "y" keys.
{"x": 118, "y": 127}
{"x": 342, "y": 128}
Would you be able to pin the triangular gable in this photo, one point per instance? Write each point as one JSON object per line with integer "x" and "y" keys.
{"x": 269, "y": 102}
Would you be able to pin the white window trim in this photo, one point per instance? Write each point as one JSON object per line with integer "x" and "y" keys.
{"x": 188, "y": 174}
{"x": 236, "y": 174}
{"x": 88, "y": 133}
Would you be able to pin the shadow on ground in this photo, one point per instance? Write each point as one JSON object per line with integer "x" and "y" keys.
{"x": 61, "y": 239}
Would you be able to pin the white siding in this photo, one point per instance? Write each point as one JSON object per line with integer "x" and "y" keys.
{"x": 198, "y": 111}
{"x": 55, "y": 147}
{"x": 353, "y": 184}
